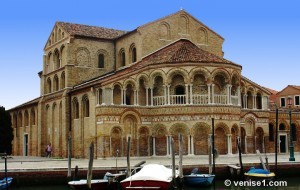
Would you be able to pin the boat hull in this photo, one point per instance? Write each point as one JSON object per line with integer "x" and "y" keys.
{"x": 259, "y": 177}
{"x": 95, "y": 185}
{"x": 146, "y": 185}
{"x": 3, "y": 184}
{"x": 198, "y": 180}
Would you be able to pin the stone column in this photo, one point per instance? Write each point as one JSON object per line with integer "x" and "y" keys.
{"x": 98, "y": 96}
{"x": 192, "y": 145}
{"x": 239, "y": 95}
{"x": 254, "y": 101}
{"x": 228, "y": 93}
{"x": 246, "y": 102}
{"x": 151, "y": 95}
{"x": 134, "y": 97}
{"x": 168, "y": 149}
{"x": 122, "y": 97}
{"x": 168, "y": 94}
{"x": 189, "y": 144}
{"x": 186, "y": 94}
{"x": 213, "y": 93}
{"x": 191, "y": 93}
{"x": 208, "y": 90}
{"x": 137, "y": 97}
{"x": 229, "y": 144}
{"x": 165, "y": 94}
{"x": 112, "y": 96}
{"x": 147, "y": 96}
{"x": 103, "y": 97}
{"x": 154, "y": 151}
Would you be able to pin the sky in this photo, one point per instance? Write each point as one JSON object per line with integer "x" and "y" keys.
{"x": 261, "y": 35}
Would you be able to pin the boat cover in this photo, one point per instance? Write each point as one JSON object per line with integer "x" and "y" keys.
{"x": 258, "y": 171}
{"x": 152, "y": 172}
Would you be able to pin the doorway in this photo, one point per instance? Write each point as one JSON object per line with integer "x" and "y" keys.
{"x": 25, "y": 145}
{"x": 282, "y": 144}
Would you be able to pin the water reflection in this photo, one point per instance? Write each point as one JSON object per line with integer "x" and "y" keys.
{"x": 292, "y": 184}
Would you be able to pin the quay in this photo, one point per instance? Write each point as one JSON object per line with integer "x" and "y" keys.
{"x": 34, "y": 170}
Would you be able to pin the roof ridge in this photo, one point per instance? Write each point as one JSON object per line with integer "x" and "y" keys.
{"x": 87, "y": 25}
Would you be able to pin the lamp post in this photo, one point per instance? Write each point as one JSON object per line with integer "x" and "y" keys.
{"x": 292, "y": 158}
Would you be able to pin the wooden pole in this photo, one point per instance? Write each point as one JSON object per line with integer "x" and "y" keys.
{"x": 213, "y": 144}
{"x": 173, "y": 161}
{"x": 240, "y": 158}
{"x": 180, "y": 157}
{"x": 209, "y": 156}
{"x": 128, "y": 157}
{"x": 90, "y": 168}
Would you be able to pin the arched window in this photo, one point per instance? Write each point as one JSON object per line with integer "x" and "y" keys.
{"x": 55, "y": 83}
{"x": 86, "y": 106}
{"x": 32, "y": 117}
{"x": 75, "y": 108}
{"x": 133, "y": 53}
{"x": 56, "y": 60}
{"x": 26, "y": 118}
{"x": 62, "y": 80}
{"x": 122, "y": 58}
{"x": 48, "y": 88}
{"x": 271, "y": 132}
{"x": 101, "y": 62}
{"x": 281, "y": 127}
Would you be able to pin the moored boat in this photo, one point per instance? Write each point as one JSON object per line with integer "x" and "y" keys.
{"x": 259, "y": 174}
{"x": 4, "y": 183}
{"x": 151, "y": 176}
{"x": 96, "y": 184}
{"x": 198, "y": 180}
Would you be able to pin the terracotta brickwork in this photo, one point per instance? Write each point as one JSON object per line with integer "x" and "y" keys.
{"x": 164, "y": 79}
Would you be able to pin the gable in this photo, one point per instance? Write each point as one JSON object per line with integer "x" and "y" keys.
{"x": 289, "y": 90}
{"x": 57, "y": 34}
{"x": 180, "y": 25}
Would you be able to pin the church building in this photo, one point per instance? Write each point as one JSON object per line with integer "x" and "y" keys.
{"x": 164, "y": 78}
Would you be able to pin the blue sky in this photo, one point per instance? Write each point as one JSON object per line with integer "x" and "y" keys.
{"x": 261, "y": 35}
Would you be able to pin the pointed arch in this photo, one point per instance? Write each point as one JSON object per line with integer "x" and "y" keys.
{"x": 132, "y": 53}
{"x": 85, "y": 106}
{"x": 55, "y": 83}
{"x": 164, "y": 31}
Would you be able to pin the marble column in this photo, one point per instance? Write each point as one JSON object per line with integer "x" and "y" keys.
{"x": 147, "y": 96}
{"x": 213, "y": 93}
{"x": 191, "y": 93}
{"x": 186, "y": 94}
{"x": 208, "y": 91}
{"x": 151, "y": 95}
{"x": 168, "y": 94}
{"x": 154, "y": 151}
{"x": 112, "y": 96}
{"x": 103, "y": 96}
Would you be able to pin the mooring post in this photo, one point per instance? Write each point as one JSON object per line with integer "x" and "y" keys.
{"x": 90, "y": 167}
{"x": 173, "y": 163}
{"x": 128, "y": 157}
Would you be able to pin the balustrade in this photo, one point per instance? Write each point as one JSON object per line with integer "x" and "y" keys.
{"x": 200, "y": 99}
{"x": 220, "y": 99}
{"x": 158, "y": 100}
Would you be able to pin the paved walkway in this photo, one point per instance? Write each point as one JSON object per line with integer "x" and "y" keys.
{"x": 17, "y": 163}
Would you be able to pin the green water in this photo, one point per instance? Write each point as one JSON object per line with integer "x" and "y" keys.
{"x": 292, "y": 184}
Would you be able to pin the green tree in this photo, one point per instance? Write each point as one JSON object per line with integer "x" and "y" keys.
{"x": 6, "y": 131}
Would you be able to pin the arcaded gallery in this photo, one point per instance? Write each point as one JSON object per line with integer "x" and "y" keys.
{"x": 164, "y": 78}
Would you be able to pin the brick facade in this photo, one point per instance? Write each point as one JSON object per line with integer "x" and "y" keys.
{"x": 174, "y": 81}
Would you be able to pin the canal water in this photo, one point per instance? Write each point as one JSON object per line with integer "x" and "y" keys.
{"x": 281, "y": 184}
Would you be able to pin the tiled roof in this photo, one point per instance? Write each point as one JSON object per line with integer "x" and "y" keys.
{"x": 182, "y": 51}
{"x": 90, "y": 31}
{"x": 297, "y": 87}
{"x": 31, "y": 102}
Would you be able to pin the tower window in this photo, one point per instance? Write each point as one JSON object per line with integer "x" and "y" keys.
{"x": 101, "y": 61}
